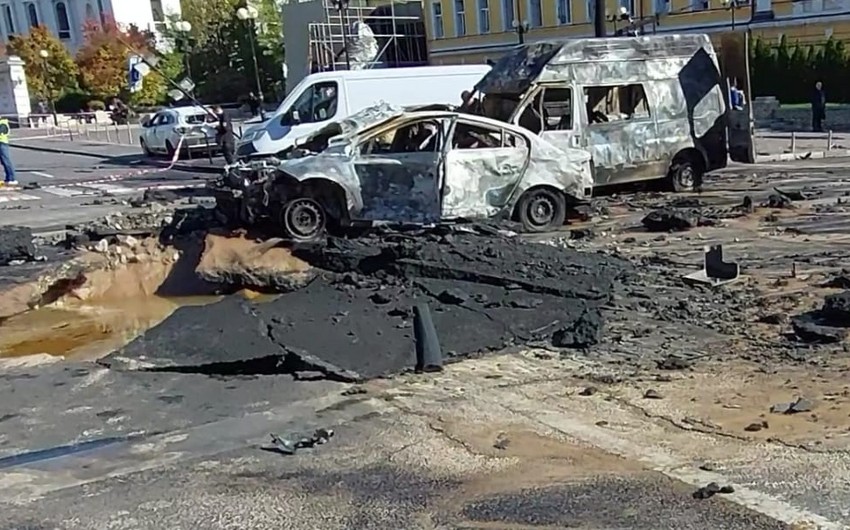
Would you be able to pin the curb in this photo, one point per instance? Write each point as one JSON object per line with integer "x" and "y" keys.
{"x": 178, "y": 167}
{"x": 809, "y": 155}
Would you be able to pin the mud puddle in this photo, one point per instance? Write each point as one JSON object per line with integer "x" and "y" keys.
{"x": 110, "y": 308}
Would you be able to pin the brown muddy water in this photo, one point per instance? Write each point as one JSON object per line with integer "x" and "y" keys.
{"x": 110, "y": 309}
{"x": 118, "y": 301}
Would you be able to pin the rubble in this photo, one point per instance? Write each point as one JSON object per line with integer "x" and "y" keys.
{"x": 16, "y": 245}
{"x": 353, "y": 321}
{"x": 830, "y": 324}
{"x": 671, "y": 220}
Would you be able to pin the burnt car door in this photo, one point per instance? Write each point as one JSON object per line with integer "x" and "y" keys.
{"x": 398, "y": 171}
{"x": 483, "y": 164}
{"x": 735, "y": 69}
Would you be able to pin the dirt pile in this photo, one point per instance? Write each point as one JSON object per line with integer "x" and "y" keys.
{"x": 239, "y": 262}
{"x": 485, "y": 291}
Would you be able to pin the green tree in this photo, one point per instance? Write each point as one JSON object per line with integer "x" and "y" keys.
{"x": 220, "y": 56}
{"x": 103, "y": 61}
{"x": 48, "y": 77}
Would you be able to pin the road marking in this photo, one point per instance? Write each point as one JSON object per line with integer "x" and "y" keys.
{"x": 112, "y": 188}
{"x": 67, "y": 191}
{"x": 17, "y": 196}
{"x": 42, "y": 174}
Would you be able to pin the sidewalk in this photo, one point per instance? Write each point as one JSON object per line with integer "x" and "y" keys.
{"x": 776, "y": 146}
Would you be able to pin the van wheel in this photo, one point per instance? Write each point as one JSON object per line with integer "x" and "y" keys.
{"x": 685, "y": 175}
{"x": 303, "y": 219}
{"x": 541, "y": 210}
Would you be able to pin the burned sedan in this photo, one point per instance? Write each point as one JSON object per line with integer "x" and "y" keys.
{"x": 389, "y": 165}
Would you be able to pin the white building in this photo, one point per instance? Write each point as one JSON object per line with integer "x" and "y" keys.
{"x": 66, "y": 18}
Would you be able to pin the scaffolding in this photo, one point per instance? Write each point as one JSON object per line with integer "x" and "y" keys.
{"x": 384, "y": 36}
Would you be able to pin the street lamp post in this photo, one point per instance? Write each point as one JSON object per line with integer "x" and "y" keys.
{"x": 44, "y": 54}
{"x": 249, "y": 15}
{"x": 521, "y": 28}
{"x": 184, "y": 27}
{"x": 731, "y": 5}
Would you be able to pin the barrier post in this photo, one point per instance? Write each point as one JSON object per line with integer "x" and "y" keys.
{"x": 829, "y": 141}
{"x": 793, "y": 143}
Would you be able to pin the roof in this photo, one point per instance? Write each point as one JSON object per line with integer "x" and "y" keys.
{"x": 189, "y": 111}
{"x": 516, "y": 71}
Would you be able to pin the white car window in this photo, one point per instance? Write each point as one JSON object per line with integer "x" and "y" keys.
{"x": 196, "y": 119}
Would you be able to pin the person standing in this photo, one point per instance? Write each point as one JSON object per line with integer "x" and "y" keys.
{"x": 253, "y": 104}
{"x": 5, "y": 155}
{"x": 818, "y": 107}
{"x": 224, "y": 136}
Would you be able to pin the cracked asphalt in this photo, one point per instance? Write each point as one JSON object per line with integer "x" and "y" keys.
{"x": 531, "y": 439}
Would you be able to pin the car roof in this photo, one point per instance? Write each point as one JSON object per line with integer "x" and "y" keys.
{"x": 483, "y": 120}
{"x": 186, "y": 111}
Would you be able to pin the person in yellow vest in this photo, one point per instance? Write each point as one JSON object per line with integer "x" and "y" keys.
{"x": 5, "y": 157}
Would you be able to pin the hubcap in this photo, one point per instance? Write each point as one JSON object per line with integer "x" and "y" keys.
{"x": 686, "y": 177}
{"x": 305, "y": 218}
{"x": 541, "y": 210}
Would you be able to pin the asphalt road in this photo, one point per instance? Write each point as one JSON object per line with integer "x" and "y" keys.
{"x": 77, "y": 187}
{"x": 503, "y": 442}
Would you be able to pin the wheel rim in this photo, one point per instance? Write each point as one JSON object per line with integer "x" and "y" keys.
{"x": 541, "y": 210}
{"x": 304, "y": 219}
{"x": 686, "y": 177}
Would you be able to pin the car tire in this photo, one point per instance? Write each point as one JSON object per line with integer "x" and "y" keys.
{"x": 542, "y": 210}
{"x": 685, "y": 175}
{"x": 303, "y": 219}
{"x": 169, "y": 149}
{"x": 145, "y": 149}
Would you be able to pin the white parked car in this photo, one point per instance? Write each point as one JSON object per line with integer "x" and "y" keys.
{"x": 161, "y": 132}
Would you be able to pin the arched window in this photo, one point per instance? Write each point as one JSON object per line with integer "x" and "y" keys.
{"x": 101, "y": 12}
{"x": 91, "y": 16}
{"x": 32, "y": 15}
{"x": 62, "y": 22}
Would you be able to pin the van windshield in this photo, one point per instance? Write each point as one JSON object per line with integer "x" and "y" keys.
{"x": 316, "y": 104}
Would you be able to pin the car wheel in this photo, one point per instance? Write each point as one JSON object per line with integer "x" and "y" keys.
{"x": 303, "y": 219}
{"x": 684, "y": 175}
{"x": 169, "y": 149}
{"x": 541, "y": 210}
{"x": 145, "y": 149}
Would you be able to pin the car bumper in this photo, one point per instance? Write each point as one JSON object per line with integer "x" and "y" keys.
{"x": 198, "y": 142}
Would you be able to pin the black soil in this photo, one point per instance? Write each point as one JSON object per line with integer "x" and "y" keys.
{"x": 485, "y": 292}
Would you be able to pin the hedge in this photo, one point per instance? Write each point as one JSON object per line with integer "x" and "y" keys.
{"x": 789, "y": 71}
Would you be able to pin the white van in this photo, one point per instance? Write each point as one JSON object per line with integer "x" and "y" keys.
{"x": 326, "y": 97}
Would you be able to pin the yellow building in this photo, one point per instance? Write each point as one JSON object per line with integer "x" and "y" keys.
{"x": 474, "y": 31}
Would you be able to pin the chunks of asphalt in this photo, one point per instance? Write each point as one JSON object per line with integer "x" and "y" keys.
{"x": 228, "y": 331}
{"x": 16, "y": 244}
{"x": 671, "y": 220}
{"x": 830, "y": 324}
{"x": 356, "y": 320}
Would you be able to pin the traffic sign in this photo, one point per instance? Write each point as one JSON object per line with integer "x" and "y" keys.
{"x": 134, "y": 75}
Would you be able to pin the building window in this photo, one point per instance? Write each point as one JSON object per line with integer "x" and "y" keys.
{"x": 590, "y": 9}
{"x": 662, "y": 7}
{"x": 535, "y": 14}
{"x": 437, "y": 19}
{"x": 699, "y": 5}
{"x": 90, "y": 14}
{"x": 9, "y": 18}
{"x": 508, "y": 14}
{"x": 563, "y": 8}
{"x": 32, "y": 15}
{"x": 628, "y": 5}
{"x": 483, "y": 16}
{"x": 156, "y": 11}
{"x": 62, "y": 22}
{"x": 460, "y": 19}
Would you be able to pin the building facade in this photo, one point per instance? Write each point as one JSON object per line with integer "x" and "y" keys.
{"x": 475, "y": 31}
{"x": 66, "y": 18}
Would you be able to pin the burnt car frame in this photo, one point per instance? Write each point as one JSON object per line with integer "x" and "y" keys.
{"x": 646, "y": 108}
{"x": 389, "y": 165}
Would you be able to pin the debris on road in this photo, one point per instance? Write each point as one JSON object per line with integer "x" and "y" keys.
{"x": 16, "y": 245}
{"x": 794, "y": 407}
{"x": 288, "y": 446}
{"x": 671, "y": 220}
{"x": 830, "y": 324}
{"x": 712, "y": 489}
{"x": 714, "y": 271}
